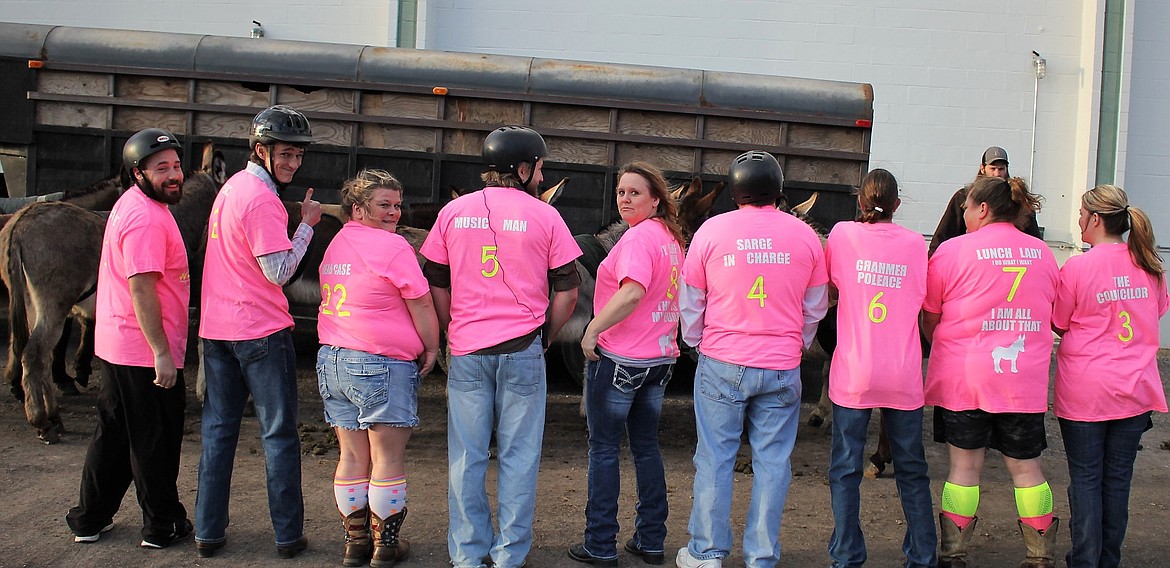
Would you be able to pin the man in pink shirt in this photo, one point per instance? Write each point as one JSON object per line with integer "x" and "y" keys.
{"x": 753, "y": 288}
{"x": 141, "y": 338}
{"x": 247, "y": 331}
{"x": 492, "y": 259}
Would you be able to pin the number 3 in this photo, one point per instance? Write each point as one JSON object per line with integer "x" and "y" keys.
{"x": 1128, "y": 335}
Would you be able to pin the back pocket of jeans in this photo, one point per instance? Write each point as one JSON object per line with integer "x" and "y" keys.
{"x": 367, "y": 384}
{"x": 628, "y": 379}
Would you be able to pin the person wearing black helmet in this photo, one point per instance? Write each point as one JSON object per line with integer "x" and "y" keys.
{"x": 491, "y": 260}
{"x": 993, "y": 164}
{"x": 246, "y": 330}
{"x": 753, "y": 289}
{"x": 141, "y": 336}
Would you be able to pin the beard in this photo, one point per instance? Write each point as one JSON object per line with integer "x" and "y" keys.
{"x": 161, "y": 195}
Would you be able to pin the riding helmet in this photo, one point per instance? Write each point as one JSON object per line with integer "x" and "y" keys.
{"x": 280, "y": 124}
{"x": 756, "y": 179}
{"x": 509, "y": 146}
{"x": 146, "y": 142}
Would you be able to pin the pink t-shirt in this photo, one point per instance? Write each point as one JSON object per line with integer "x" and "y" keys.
{"x": 1106, "y": 364}
{"x": 647, "y": 254}
{"x": 992, "y": 349}
{"x": 238, "y": 302}
{"x": 366, "y": 276}
{"x": 500, "y": 244}
{"x": 755, "y": 265}
{"x": 879, "y": 269}
{"x": 141, "y": 237}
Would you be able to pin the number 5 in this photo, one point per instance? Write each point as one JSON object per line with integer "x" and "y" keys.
{"x": 489, "y": 255}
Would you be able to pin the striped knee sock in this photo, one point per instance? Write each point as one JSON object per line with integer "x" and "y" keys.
{"x": 959, "y": 503}
{"x": 351, "y": 493}
{"x": 387, "y": 496}
{"x": 1034, "y": 504}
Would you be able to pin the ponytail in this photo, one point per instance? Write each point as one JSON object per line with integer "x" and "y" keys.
{"x": 1112, "y": 204}
{"x": 877, "y": 197}
{"x": 1008, "y": 200}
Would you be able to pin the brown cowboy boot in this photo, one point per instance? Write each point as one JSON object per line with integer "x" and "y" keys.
{"x": 358, "y": 545}
{"x": 1041, "y": 547}
{"x": 388, "y": 547}
{"x": 954, "y": 542}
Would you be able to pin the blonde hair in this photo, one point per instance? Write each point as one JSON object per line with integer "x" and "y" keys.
{"x": 1112, "y": 204}
{"x": 358, "y": 191}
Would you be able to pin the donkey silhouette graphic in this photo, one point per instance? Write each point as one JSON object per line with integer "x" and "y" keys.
{"x": 1011, "y": 353}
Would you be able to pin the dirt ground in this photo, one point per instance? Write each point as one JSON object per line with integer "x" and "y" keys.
{"x": 39, "y": 483}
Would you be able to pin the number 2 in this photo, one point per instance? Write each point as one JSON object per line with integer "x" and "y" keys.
{"x": 327, "y": 294}
{"x": 757, "y": 291}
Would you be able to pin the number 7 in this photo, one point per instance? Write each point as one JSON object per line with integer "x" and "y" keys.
{"x": 1019, "y": 270}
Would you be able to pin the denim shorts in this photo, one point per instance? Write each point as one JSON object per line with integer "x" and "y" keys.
{"x": 1017, "y": 435}
{"x": 361, "y": 389}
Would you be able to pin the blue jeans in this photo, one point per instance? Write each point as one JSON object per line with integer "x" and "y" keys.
{"x": 506, "y": 392}
{"x": 770, "y": 400}
{"x": 1100, "y": 468}
{"x": 620, "y": 399}
{"x": 846, "y": 466}
{"x": 266, "y": 368}
{"x": 360, "y": 389}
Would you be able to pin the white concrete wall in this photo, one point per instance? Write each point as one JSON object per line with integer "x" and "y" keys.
{"x": 1147, "y": 141}
{"x": 947, "y": 82}
{"x": 363, "y": 22}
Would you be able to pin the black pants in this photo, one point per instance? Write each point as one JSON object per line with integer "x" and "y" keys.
{"x": 138, "y": 438}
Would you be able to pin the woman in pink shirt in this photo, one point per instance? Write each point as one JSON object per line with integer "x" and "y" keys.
{"x": 988, "y": 313}
{"x": 1107, "y": 382}
{"x": 879, "y": 271}
{"x": 379, "y": 336}
{"x": 631, "y": 346}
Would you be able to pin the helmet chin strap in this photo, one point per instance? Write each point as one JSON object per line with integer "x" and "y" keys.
{"x": 271, "y": 169}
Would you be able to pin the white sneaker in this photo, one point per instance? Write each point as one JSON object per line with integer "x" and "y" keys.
{"x": 685, "y": 560}
{"x": 93, "y": 537}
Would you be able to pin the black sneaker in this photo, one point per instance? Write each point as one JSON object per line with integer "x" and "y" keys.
{"x": 180, "y": 532}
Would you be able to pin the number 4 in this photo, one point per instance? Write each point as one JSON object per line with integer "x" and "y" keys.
{"x": 757, "y": 291}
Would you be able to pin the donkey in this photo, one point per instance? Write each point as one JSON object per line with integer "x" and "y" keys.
{"x": 49, "y": 254}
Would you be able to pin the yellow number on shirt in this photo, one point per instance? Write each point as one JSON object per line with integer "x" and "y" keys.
{"x": 875, "y": 307}
{"x": 757, "y": 291}
{"x": 1019, "y": 270}
{"x": 327, "y": 294}
{"x": 489, "y": 255}
{"x": 1128, "y": 335}
{"x": 215, "y": 224}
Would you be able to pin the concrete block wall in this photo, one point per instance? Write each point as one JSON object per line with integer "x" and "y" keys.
{"x": 364, "y": 22}
{"x": 949, "y": 80}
